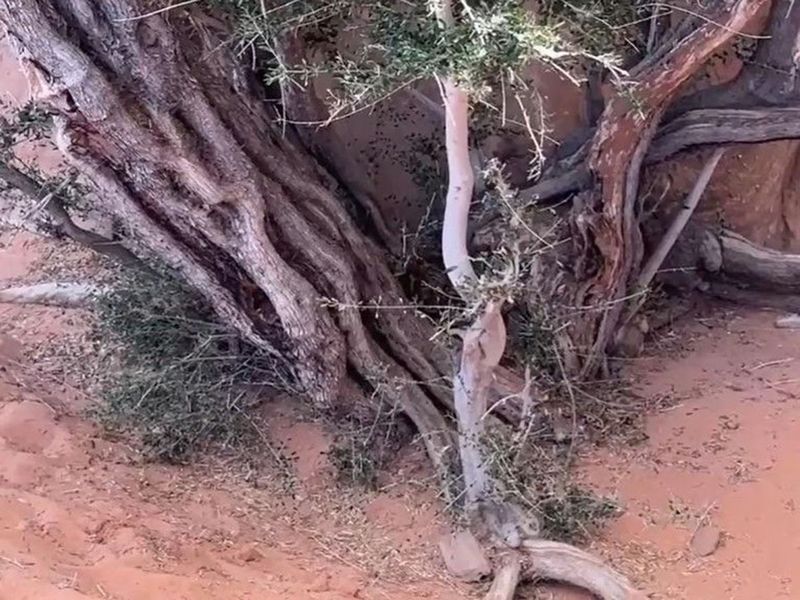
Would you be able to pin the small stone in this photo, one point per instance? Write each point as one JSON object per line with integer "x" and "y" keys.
{"x": 321, "y": 583}
{"x": 250, "y": 554}
{"x": 464, "y": 557}
{"x": 705, "y": 540}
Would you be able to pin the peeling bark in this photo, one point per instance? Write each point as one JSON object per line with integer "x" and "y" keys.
{"x": 606, "y": 226}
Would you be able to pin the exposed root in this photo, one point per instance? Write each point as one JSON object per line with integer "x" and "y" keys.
{"x": 555, "y": 561}
{"x": 759, "y": 267}
{"x": 507, "y": 578}
{"x": 65, "y": 295}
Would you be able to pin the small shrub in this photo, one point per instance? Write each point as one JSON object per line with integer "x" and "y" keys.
{"x": 180, "y": 380}
{"x": 363, "y": 446}
{"x": 536, "y": 476}
{"x": 355, "y": 462}
{"x": 574, "y": 514}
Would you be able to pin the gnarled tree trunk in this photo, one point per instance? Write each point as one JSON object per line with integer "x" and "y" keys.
{"x": 155, "y": 111}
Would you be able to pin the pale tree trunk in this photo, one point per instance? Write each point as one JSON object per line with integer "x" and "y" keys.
{"x": 482, "y": 349}
{"x": 156, "y": 113}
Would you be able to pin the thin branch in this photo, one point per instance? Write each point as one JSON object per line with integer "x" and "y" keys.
{"x": 158, "y": 11}
{"x": 54, "y": 205}
{"x": 676, "y": 228}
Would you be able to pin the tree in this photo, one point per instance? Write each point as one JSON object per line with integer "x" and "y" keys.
{"x": 152, "y": 106}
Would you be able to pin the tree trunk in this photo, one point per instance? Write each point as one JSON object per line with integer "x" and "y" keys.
{"x": 607, "y": 237}
{"x": 154, "y": 110}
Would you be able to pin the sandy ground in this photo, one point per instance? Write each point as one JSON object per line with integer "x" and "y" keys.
{"x": 81, "y": 518}
{"x": 724, "y": 458}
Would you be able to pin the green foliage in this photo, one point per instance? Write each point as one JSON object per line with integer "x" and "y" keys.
{"x": 489, "y": 39}
{"x": 354, "y": 461}
{"x": 532, "y": 338}
{"x": 363, "y": 446}
{"x": 599, "y": 26}
{"x": 183, "y": 381}
{"x": 402, "y": 42}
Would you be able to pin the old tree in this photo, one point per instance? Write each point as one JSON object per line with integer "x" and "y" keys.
{"x": 214, "y": 173}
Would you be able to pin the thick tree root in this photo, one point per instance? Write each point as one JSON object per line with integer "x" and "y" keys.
{"x": 555, "y": 561}
{"x": 506, "y": 579}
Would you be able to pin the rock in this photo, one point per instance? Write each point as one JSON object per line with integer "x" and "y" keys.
{"x": 250, "y": 554}
{"x": 464, "y": 557}
{"x": 705, "y": 540}
{"x": 788, "y": 322}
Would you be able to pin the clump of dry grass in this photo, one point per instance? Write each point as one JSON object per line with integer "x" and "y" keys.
{"x": 176, "y": 378}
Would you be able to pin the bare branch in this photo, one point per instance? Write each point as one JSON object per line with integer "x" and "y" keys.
{"x": 682, "y": 218}
{"x": 66, "y": 295}
{"x": 54, "y": 205}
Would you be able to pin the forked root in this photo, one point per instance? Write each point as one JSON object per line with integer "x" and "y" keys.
{"x": 555, "y": 561}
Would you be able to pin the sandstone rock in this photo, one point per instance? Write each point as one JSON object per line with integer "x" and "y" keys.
{"x": 464, "y": 557}
{"x": 705, "y": 540}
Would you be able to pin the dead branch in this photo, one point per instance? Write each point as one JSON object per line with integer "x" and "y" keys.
{"x": 679, "y": 223}
{"x": 561, "y": 562}
{"x": 54, "y": 206}
{"x": 701, "y": 127}
{"x": 751, "y": 125}
{"x": 65, "y": 295}
{"x": 758, "y": 267}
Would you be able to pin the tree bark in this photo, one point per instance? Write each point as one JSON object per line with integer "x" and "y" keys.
{"x": 156, "y": 112}
{"x": 609, "y": 246}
